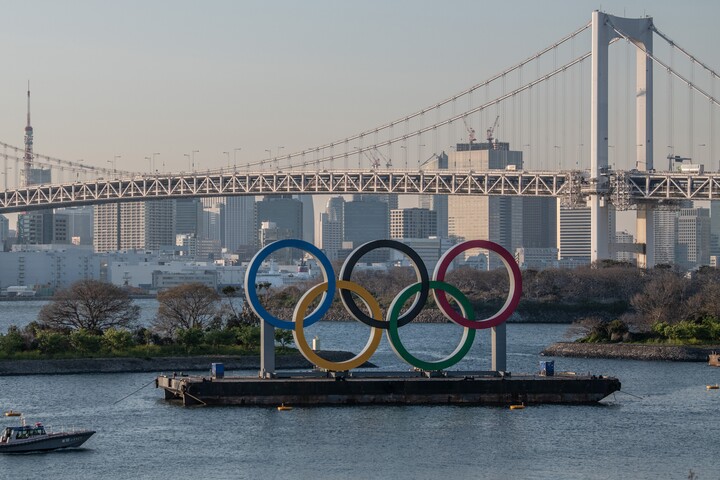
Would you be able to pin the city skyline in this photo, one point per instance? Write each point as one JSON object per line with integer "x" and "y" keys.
{"x": 128, "y": 80}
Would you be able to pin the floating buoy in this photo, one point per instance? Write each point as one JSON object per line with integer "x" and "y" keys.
{"x": 713, "y": 387}
{"x": 12, "y": 413}
{"x": 284, "y": 407}
{"x": 517, "y": 407}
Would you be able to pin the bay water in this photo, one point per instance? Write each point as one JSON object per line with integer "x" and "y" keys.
{"x": 663, "y": 424}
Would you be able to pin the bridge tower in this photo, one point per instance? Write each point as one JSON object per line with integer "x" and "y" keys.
{"x": 639, "y": 31}
{"x": 28, "y": 158}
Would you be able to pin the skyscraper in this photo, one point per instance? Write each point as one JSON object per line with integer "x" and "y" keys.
{"x": 413, "y": 223}
{"x": 367, "y": 219}
{"x": 512, "y": 222}
{"x": 134, "y": 226}
{"x": 332, "y": 227}
{"x": 693, "y": 238}
{"x": 283, "y": 211}
{"x": 239, "y": 222}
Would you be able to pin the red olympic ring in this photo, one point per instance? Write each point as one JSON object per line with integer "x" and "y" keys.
{"x": 513, "y": 298}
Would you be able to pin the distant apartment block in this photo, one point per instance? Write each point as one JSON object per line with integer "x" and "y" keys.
{"x": 413, "y": 223}
{"x": 134, "y": 226}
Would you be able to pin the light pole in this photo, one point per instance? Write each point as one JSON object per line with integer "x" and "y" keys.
{"x": 114, "y": 165}
{"x": 228, "y": 158}
{"x": 153, "y": 160}
{"x": 404, "y": 155}
{"x": 235, "y": 150}
{"x": 188, "y": 157}
{"x": 149, "y": 159}
{"x": 269, "y": 159}
{"x": 193, "y": 159}
{"x": 277, "y": 159}
{"x": 6, "y": 175}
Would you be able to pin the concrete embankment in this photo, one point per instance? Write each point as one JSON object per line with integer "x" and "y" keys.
{"x": 628, "y": 351}
{"x": 156, "y": 364}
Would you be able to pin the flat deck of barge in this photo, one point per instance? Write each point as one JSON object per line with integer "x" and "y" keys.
{"x": 401, "y": 388}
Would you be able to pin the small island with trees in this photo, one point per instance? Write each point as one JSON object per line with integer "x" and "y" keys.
{"x": 616, "y": 310}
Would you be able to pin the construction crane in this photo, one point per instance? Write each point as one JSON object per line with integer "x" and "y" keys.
{"x": 672, "y": 159}
{"x": 432, "y": 157}
{"x": 388, "y": 161}
{"x": 374, "y": 161}
{"x": 491, "y": 130}
{"x": 470, "y": 130}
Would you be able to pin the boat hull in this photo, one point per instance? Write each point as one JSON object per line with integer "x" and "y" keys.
{"x": 393, "y": 388}
{"x": 54, "y": 441}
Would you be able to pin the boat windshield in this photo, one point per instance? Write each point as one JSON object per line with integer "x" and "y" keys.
{"x": 25, "y": 432}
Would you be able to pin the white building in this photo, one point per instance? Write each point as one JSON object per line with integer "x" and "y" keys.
{"x": 51, "y": 266}
{"x": 134, "y": 226}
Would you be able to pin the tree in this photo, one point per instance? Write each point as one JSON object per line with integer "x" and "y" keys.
{"x": 89, "y": 304}
{"x": 663, "y": 298}
{"x": 184, "y": 307}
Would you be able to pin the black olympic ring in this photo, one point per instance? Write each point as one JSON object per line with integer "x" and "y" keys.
{"x": 420, "y": 271}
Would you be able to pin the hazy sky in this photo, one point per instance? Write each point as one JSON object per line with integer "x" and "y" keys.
{"x": 135, "y": 77}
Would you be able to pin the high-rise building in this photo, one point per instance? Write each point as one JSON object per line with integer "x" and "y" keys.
{"x": 413, "y": 223}
{"x": 437, "y": 203}
{"x": 715, "y": 228}
{"x": 573, "y": 234}
{"x": 134, "y": 226}
{"x": 693, "y": 238}
{"x": 239, "y": 223}
{"x": 665, "y": 236}
{"x": 284, "y": 211}
{"x": 308, "y": 231}
{"x": 512, "y": 222}
{"x": 366, "y": 219}
{"x": 80, "y": 224}
{"x": 188, "y": 216}
{"x": 624, "y": 238}
{"x": 4, "y": 232}
{"x": 332, "y": 227}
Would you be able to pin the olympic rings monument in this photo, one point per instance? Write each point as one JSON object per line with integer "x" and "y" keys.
{"x": 425, "y": 382}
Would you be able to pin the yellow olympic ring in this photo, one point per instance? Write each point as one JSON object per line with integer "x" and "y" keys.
{"x": 299, "y": 333}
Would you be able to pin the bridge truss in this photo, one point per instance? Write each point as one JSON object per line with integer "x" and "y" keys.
{"x": 622, "y": 189}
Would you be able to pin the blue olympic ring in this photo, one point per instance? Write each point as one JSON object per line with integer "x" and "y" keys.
{"x": 251, "y": 276}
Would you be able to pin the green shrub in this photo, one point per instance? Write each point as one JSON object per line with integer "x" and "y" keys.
{"x": 52, "y": 343}
{"x": 117, "y": 340}
{"x": 86, "y": 342}
{"x": 190, "y": 338}
{"x": 215, "y": 338}
{"x": 247, "y": 336}
{"x": 12, "y": 342}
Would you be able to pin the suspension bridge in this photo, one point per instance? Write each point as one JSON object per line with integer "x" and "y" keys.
{"x": 551, "y": 106}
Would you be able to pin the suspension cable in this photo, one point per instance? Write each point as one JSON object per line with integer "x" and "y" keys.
{"x": 447, "y": 121}
{"x": 434, "y": 106}
{"x": 664, "y": 65}
{"x": 685, "y": 52}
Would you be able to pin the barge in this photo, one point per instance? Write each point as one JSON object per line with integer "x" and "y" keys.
{"x": 399, "y": 388}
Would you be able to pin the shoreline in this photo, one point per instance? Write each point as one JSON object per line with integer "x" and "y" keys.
{"x": 69, "y": 366}
{"x": 631, "y": 351}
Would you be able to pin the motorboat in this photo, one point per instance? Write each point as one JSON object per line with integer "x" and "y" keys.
{"x": 12, "y": 413}
{"x": 26, "y": 438}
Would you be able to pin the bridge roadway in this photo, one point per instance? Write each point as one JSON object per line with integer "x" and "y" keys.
{"x": 622, "y": 188}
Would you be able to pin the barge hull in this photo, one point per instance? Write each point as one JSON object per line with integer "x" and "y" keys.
{"x": 457, "y": 388}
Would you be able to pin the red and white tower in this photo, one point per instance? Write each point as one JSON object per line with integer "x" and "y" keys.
{"x": 28, "y": 159}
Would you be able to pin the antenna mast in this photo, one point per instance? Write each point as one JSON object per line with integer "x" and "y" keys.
{"x": 28, "y": 159}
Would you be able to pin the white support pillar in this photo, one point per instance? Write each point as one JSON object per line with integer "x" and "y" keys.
{"x": 639, "y": 31}
{"x": 599, "y": 235}
{"x": 499, "y": 348}
{"x": 267, "y": 350}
